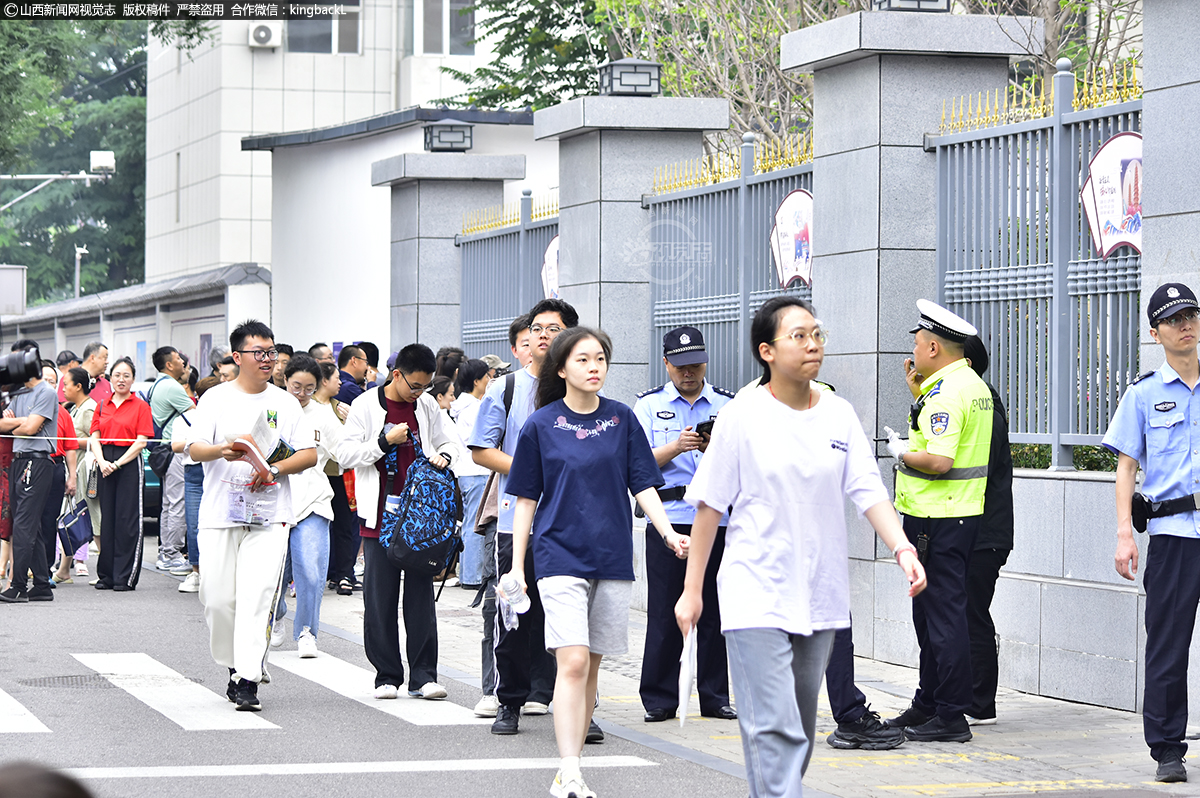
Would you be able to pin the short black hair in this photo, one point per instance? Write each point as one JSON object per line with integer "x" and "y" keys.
{"x": 161, "y": 356}
{"x": 305, "y": 363}
{"x": 193, "y": 377}
{"x": 568, "y": 314}
{"x": 319, "y": 345}
{"x": 347, "y": 354}
{"x": 249, "y": 328}
{"x": 126, "y": 360}
{"x": 66, "y": 356}
{"x": 327, "y": 369}
{"x": 371, "y": 353}
{"x": 469, "y": 373}
{"x": 519, "y": 325}
{"x": 416, "y": 358}
{"x": 80, "y": 377}
{"x": 227, "y": 361}
{"x": 92, "y": 348}
{"x": 25, "y": 343}
{"x": 285, "y": 349}
{"x": 439, "y": 386}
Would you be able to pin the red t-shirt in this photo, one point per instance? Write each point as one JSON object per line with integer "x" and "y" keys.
{"x": 397, "y": 413}
{"x": 66, "y": 433}
{"x": 101, "y": 391}
{"x": 122, "y": 424}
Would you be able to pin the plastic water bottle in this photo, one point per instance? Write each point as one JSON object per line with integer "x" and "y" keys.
{"x": 516, "y": 598}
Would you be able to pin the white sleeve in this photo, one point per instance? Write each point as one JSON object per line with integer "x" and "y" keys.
{"x": 435, "y": 429}
{"x": 294, "y": 427}
{"x": 717, "y": 480}
{"x": 204, "y": 419}
{"x": 861, "y": 481}
{"x": 359, "y": 444}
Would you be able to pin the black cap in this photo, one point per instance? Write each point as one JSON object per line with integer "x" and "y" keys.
{"x": 684, "y": 346}
{"x": 1168, "y": 299}
{"x": 976, "y": 352}
{"x": 65, "y": 357}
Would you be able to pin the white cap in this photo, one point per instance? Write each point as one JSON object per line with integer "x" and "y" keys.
{"x": 936, "y": 319}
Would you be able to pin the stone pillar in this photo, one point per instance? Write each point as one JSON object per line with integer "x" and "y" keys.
{"x": 880, "y": 80}
{"x": 430, "y": 192}
{"x": 608, "y": 149}
{"x": 1170, "y": 119}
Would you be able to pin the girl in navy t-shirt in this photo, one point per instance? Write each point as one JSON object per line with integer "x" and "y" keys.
{"x": 581, "y": 455}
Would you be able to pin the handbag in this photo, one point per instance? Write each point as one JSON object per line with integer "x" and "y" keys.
{"x": 74, "y": 526}
{"x": 160, "y": 453}
{"x": 93, "y": 483}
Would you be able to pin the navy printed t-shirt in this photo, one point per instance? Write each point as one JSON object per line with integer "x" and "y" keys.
{"x": 581, "y": 468}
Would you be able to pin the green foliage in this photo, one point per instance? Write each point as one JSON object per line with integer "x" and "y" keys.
{"x": 35, "y": 59}
{"x": 1086, "y": 458}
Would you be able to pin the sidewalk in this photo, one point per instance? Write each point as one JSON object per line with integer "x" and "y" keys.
{"x": 1040, "y": 745}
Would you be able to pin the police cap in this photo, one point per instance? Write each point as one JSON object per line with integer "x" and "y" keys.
{"x": 1168, "y": 299}
{"x": 939, "y": 321}
{"x": 684, "y": 346}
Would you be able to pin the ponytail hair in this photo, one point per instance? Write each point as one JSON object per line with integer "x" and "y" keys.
{"x": 765, "y": 327}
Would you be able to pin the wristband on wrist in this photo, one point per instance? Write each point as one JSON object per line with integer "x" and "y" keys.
{"x": 905, "y": 546}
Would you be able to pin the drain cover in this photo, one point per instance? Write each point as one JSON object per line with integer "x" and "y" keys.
{"x": 90, "y": 681}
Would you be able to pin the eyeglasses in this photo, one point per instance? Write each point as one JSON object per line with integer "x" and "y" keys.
{"x": 411, "y": 387}
{"x": 1180, "y": 318}
{"x": 298, "y": 391}
{"x": 538, "y": 329}
{"x": 818, "y": 334}
{"x": 261, "y": 355}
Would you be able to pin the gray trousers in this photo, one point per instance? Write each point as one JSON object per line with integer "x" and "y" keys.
{"x": 776, "y": 679}
{"x": 172, "y": 526}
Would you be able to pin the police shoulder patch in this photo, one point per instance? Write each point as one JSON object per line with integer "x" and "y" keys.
{"x": 939, "y": 422}
{"x": 1141, "y": 377}
{"x": 935, "y": 390}
{"x": 723, "y": 392}
{"x": 826, "y": 386}
{"x": 652, "y": 390}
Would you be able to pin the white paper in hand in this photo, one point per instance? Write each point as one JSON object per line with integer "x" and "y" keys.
{"x": 687, "y": 674}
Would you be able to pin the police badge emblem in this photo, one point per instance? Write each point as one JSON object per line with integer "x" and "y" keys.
{"x": 938, "y": 422}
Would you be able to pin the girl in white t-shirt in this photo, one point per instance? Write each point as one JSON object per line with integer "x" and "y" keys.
{"x": 785, "y": 459}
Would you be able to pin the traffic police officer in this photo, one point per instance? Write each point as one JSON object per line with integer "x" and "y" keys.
{"x": 940, "y": 481}
{"x": 1157, "y": 426}
{"x": 675, "y": 417}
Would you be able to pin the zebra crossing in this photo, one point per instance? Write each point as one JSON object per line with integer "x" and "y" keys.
{"x": 194, "y": 707}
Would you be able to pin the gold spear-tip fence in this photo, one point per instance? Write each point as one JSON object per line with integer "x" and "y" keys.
{"x": 778, "y": 153}
{"x": 508, "y": 214}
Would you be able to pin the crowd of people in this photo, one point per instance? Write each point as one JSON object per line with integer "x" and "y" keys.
{"x": 279, "y": 468}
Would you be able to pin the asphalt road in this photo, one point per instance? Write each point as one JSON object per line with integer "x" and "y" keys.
{"x": 120, "y": 689}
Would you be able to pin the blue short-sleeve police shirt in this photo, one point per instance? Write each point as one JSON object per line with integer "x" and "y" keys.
{"x": 1158, "y": 424}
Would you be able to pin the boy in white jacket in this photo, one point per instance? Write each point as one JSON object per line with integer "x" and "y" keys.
{"x": 377, "y": 442}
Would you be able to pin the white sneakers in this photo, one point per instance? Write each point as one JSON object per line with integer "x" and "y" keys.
{"x": 277, "y": 633}
{"x": 386, "y": 691}
{"x": 535, "y": 708}
{"x": 190, "y": 583}
{"x": 570, "y": 786}
{"x": 306, "y": 644}
{"x": 430, "y": 691}
{"x": 487, "y": 706}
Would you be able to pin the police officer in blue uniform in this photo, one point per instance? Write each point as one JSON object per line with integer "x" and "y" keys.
{"x": 677, "y": 418}
{"x": 1157, "y": 427}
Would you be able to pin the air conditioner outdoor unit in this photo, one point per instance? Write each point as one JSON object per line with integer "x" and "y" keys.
{"x": 266, "y": 34}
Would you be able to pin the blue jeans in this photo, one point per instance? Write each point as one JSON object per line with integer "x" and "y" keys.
{"x": 768, "y": 665}
{"x": 470, "y": 562}
{"x": 193, "y": 491}
{"x": 308, "y": 561}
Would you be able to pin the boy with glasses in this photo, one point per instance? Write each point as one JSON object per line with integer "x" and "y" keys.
{"x": 244, "y": 514}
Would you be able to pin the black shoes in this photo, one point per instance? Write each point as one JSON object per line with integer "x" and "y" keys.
{"x": 939, "y": 730}
{"x": 41, "y": 594}
{"x": 231, "y": 688}
{"x": 14, "y": 595}
{"x": 867, "y": 733}
{"x": 247, "y": 696}
{"x": 1170, "y": 768}
{"x": 103, "y": 586}
{"x": 721, "y": 713}
{"x": 909, "y": 717}
{"x": 507, "y": 720}
{"x": 659, "y": 715}
{"x": 594, "y": 733}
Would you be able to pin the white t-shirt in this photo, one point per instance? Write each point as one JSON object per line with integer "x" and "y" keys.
{"x": 180, "y": 431}
{"x": 311, "y": 491}
{"x": 787, "y": 474}
{"x": 226, "y": 410}
{"x": 464, "y": 410}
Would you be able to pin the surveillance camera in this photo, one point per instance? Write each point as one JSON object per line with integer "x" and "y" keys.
{"x": 104, "y": 161}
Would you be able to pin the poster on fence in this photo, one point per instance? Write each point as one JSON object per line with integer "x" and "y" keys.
{"x": 550, "y": 270}
{"x": 1112, "y": 194}
{"x": 791, "y": 238}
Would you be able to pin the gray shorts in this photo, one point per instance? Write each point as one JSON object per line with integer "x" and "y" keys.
{"x": 586, "y": 612}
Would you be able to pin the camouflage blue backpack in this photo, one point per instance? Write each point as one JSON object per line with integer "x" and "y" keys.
{"x": 419, "y": 525}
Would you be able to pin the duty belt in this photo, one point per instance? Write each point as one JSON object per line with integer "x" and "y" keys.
{"x": 1144, "y": 509}
{"x": 31, "y": 455}
{"x": 672, "y": 494}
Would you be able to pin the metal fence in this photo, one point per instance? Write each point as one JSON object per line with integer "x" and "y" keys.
{"x": 502, "y": 252}
{"x": 1015, "y": 256}
{"x": 709, "y": 254}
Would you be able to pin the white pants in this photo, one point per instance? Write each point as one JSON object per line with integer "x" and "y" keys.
{"x": 242, "y": 570}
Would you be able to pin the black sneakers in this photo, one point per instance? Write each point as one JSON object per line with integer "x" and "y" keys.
{"x": 939, "y": 730}
{"x": 231, "y": 688}
{"x": 507, "y": 719}
{"x": 1170, "y": 767}
{"x": 14, "y": 595}
{"x": 867, "y": 733}
{"x": 247, "y": 696}
{"x": 41, "y": 594}
{"x": 594, "y": 733}
{"x": 909, "y": 717}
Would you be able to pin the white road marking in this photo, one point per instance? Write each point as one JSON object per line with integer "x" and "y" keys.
{"x": 185, "y": 703}
{"x": 358, "y": 684}
{"x": 16, "y": 719}
{"x": 337, "y": 768}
